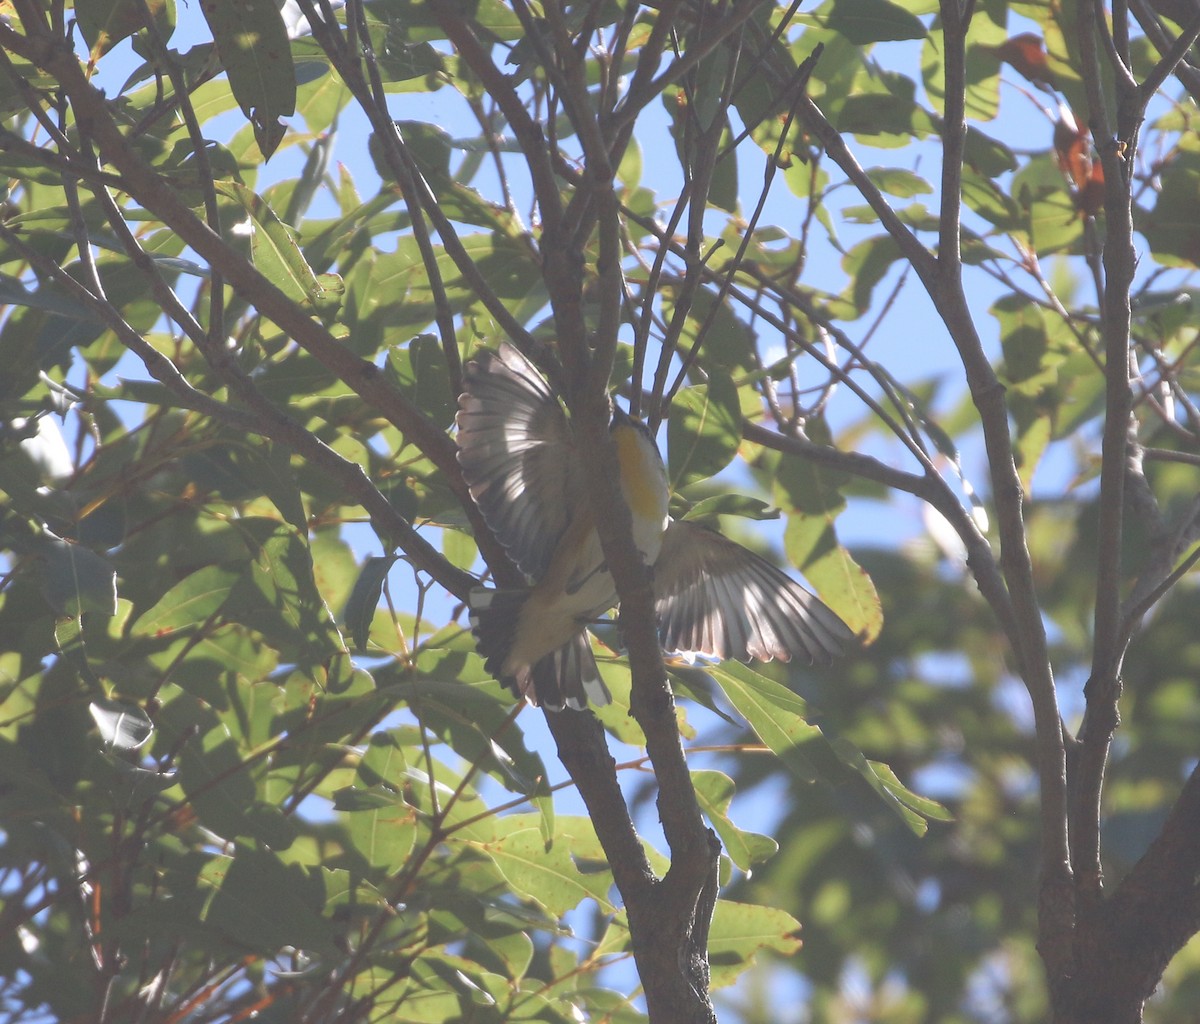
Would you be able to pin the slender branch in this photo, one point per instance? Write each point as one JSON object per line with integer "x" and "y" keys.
{"x": 923, "y": 262}
{"x": 723, "y": 29}
{"x": 1118, "y": 55}
{"x": 699, "y": 172}
{"x": 404, "y": 167}
{"x": 1171, "y": 59}
{"x": 1188, "y": 75}
{"x": 1119, "y": 261}
{"x": 642, "y": 327}
{"x": 1135, "y": 612}
{"x": 69, "y": 162}
{"x": 954, "y": 138}
{"x": 1167, "y": 455}
{"x": 1056, "y": 913}
{"x": 583, "y": 750}
{"x": 205, "y": 178}
{"x": 158, "y": 196}
{"x": 641, "y": 90}
{"x": 499, "y": 87}
{"x": 932, "y": 489}
{"x": 772, "y": 165}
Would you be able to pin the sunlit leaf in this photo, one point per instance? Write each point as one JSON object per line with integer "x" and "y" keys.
{"x": 776, "y": 715}
{"x": 548, "y": 874}
{"x": 872, "y": 21}
{"x": 189, "y": 603}
{"x": 739, "y": 931}
{"x": 104, "y": 23}
{"x": 704, "y": 431}
{"x": 253, "y": 44}
{"x": 715, "y": 792}
{"x": 729, "y": 504}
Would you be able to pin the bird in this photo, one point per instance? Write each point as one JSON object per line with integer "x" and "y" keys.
{"x": 713, "y": 597}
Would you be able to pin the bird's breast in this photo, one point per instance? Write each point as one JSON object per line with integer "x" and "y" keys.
{"x": 644, "y": 484}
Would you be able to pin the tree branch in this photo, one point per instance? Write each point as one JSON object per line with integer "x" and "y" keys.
{"x": 1103, "y": 689}
{"x": 1056, "y": 914}
{"x": 1130, "y": 938}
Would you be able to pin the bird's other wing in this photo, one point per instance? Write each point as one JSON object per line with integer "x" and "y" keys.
{"x": 717, "y": 598}
{"x": 518, "y": 456}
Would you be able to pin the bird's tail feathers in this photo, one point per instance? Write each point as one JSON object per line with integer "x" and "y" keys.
{"x": 568, "y": 677}
{"x": 494, "y": 615}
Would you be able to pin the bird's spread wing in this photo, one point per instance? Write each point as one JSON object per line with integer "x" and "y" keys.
{"x": 716, "y": 598}
{"x": 518, "y": 457}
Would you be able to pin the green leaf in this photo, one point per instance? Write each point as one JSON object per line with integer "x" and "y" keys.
{"x": 253, "y": 45}
{"x": 14, "y": 293}
{"x": 475, "y": 723}
{"x": 189, "y": 603}
{"x": 812, "y": 496}
{"x": 260, "y": 903}
{"x": 704, "y": 430}
{"x": 776, "y": 715}
{"x": 992, "y": 203}
{"x": 629, "y": 171}
{"x": 913, "y": 808}
{"x": 896, "y": 181}
{"x": 405, "y": 62}
{"x": 419, "y": 370}
{"x": 69, "y": 639}
{"x": 398, "y": 299}
{"x": 459, "y": 548}
{"x": 277, "y": 256}
{"x": 873, "y": 21}
{"x": 740, "y": 930}
{"x": 75, "y": 579}
{"x": 867, "y": 264}
{"x": 104, "y": 23}
{"x": 723, "y": 188}
{"x": 364, "y": 598}
{"x": 1172, "y": 227}
{"x": 843, "y": 584}
{"x": 693, "y": 682}
{"x": 715, "y": 792}
{"x": 548, "y": 875}
{"x": 710, "y": 82}
{"x": 216, "y": 776}
{"x": 279, "y": 596}
{"x": 986, "y": 155}
{"x": 744, "y": 506}
{"x": 982, "y": 67}
{"x": 382, "y": 824}
{"x": 727, "y": 343}
{"x": 1054, "y": 223}
{"x": 430, "y": 145}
